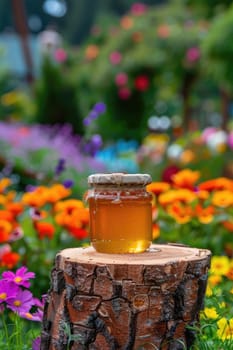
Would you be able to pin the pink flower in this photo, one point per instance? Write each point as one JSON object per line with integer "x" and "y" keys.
{"x": 36, "y": 343}
{"x": 121, "y": 79}
{"x": 35, "y": 316}
{"x": 230, "y": 140}
{"x": 20, "y": 278}
{"x": 22, "y": 302}
{"x": 115, "y": 57}
{"x": 60, "y": 55}
{"x": 138, "y": 9}
{"x": 124, "y": 93}
{"x": 208, "y": 132}
{"x": 8, "y": 291}
{"x": 193, "y": 54}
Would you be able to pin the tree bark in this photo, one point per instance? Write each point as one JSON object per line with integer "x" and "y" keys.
{"x": 125, "y": 301}
{"x": 188, "y": 83}
{"x": 225, "y": 107}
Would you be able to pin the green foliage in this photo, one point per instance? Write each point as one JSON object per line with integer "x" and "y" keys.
{"x": 208, "y": 8}
{"x": 218, "y": 49}
{"x": 17, "y": 333}
{"x": 55, "y": 96}
{"x": 155, "y": 45}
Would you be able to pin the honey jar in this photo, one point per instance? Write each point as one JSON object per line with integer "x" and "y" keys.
{"x": 120, "y": 212}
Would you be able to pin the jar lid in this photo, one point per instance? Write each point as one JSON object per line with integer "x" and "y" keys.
{"x": 119, "y": 179}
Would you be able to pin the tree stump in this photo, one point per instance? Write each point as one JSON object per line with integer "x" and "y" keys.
{"x": 125, "y": 301}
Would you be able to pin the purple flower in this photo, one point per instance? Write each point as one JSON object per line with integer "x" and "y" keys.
{"x": 36, "y": 343}
{"x": 86, "y": 121}
{"x": 99, "y": 107}
{"x": 36, "y": 316}
{"x": 22, "y": 302}
{"x": 68, "y": 183}
{"x": 8, "y": 291}
{"x": 93, "y": 115}
{"x": 60, "y": 167}
{"x": 20, "y": 278}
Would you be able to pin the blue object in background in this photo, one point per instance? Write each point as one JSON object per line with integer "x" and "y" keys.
{"x": 120, "y": 157}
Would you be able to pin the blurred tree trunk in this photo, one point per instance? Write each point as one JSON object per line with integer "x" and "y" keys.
{"x": 20, "y": 19}
{"x": 225, "y": 107}
{"x": 186, "y": 89}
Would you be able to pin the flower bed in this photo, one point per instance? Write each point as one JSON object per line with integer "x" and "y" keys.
{"x": 37, "y": 223}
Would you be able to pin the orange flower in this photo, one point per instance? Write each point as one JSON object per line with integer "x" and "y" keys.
{"x": 202, "y": 194}
{"x": 163, "y": 31}
{"x": 68, "y": 205}
{"x": 229, "y": 274}
{"x": 171, "y": 196}
{"x": 187, "y": 156}
{"x": 70, "y": 211}
{"x": 182, "y": 214}
{"x": 42, "y": 195}
{"x": 222, "y": 198}
{"x": 4, "y": 183}
{"x": 79, "y": 216}
{"x": 137, "y": 37}
{"x": 185, "y": 178}
{"x": 57, "y": 192}
{"x": 36, "y": 198}
{"x": 155, "y": 231}
{"x": 221, "y": 183}
{"x": 15, "y": 208}
{"x": 9, "y": 259}
{"x": 44, "y": 229}
{"x": 126, "y": 22}
{"x": 214, "y": 280}
{"x": 204, "y": 215}
{"x": 6, "y": 215}
{"x": 228, "y": 225}
{"x": 158, "y": 187}
{"x": 91, "y": 52}
{"x": 5, "y": 229}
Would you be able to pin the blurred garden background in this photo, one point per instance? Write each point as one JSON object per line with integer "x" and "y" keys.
{"x": 115, "y": 86}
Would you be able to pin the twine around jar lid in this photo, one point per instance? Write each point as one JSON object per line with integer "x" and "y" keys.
{"x": 119, "y": 179}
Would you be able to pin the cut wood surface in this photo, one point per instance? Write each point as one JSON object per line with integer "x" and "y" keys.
{"x": 125, "y": 301}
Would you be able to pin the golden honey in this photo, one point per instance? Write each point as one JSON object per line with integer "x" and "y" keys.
{"x": 120, "y": 213}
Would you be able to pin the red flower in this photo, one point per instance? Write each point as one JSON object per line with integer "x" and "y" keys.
{"x": 124, "y": 93}
{"x": 9, "y": 259}
{"x": 78, "y": 232}
{"x": 44, "y": 229}
{"x": 169, "y": 172}
{"x": 142, "y": 82}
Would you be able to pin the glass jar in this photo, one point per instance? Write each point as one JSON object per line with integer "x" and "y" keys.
{"x": 120, "y": 212}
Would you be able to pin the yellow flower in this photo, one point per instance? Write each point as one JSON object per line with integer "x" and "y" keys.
{"x": 220, "y": 265}
{"x": 4, "y": 182}
{"x": 208, "y": 290}
{"x": 9, "y": 98}
{"x": 210, "y": 312}
{"x": 225, "y": 328}
{"x": 214, "y": 280}
{"x": 222, "y": 198}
